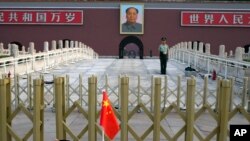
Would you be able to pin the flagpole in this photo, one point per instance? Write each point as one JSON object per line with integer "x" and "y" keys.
{"x": 102, "y": 134}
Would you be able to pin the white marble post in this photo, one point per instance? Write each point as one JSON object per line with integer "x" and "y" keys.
{"x": 243, "y": 50}
{"x": 31, "y": 48}
{"x": 53, "y": 45}
{"x": 60, "y": 43}
{"x": 71, "y": 44}
{"x": 195, "y": 46}
{"x": 80, "y": 44}
{"x": 231, "y": 53}
{"x": 23, "y": 49}
{"x": 76, "y": 44}
{"x": 185, "y": 45}
{"x": 222, "y": 51}
{"x": 182, "y": 45}
{"x": 238, "y": 53}
{"x": 14, "y": 50}
{"x": 201, "y": 44}
{"x": 9, "y": 48}
{"x": 207, "y": 46}
{"x": 225, "y": 54}
{"x": 189, "y": 45}
{"x": 46, "y": 46}
{"x": 66, "y": 44}
{"x": 1, "y": 48}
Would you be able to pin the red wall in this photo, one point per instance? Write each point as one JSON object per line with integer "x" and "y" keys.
{"x": 101, "y": 32}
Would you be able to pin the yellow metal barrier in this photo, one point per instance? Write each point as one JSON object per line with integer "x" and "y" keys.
{"x": 6, "y": 131}
{"x": 221, "y": 116}
{"x": 224, "y": 110}
{"x": 5, "y": 109}
{"x": 92, "y": 108}
{"x": 124, "y": 108}
{"x": 60, "y": 107}
{"x": 157, "y": 109}
{"x": 38, "y": 114}
{"x": 191, "y": 83}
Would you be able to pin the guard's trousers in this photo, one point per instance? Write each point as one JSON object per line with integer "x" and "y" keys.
{"x": 163, "y": 60}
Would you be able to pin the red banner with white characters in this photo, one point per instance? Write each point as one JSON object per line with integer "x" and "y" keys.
{"x": 213, "y": 18}
{"x": 42, "y": 17}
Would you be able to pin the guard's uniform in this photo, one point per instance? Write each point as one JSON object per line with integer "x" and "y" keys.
{"x": 163, "y": 57}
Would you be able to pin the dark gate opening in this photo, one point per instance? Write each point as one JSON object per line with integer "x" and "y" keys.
{"x": 127, "y": 40}
{"x": 247, "y": 48}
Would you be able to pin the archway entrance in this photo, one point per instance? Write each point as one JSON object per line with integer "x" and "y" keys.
{"x": 128, "y": 41}
{"x": 247, "y": 47}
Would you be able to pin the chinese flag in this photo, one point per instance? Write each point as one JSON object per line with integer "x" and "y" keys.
{"x": 108, "y": 119}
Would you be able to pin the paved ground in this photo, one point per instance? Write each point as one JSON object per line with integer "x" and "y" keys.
{"x": 139, "y": 122}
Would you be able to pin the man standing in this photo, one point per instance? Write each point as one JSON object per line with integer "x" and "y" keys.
{"x": 131, "y": 24}
{"x": 163, "y": 49}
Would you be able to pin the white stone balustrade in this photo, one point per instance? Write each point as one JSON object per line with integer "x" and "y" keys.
{"x": 225, "y": 65}
{"x": 42, "y": 61}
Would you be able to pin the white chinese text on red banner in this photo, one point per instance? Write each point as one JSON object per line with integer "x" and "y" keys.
{"x": 213, "y": 18}
{"x": 42, "y": 17}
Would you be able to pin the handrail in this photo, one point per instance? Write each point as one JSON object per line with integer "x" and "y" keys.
{"x": 208, "y": 62}
{"x": 25, "y": 63}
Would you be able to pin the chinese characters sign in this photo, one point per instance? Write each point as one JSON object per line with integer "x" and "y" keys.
{"x": 204, "y": 18}
{"x": 47, "y": 17}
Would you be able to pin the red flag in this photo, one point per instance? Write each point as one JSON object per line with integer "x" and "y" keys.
{"x": 108, "y": 119}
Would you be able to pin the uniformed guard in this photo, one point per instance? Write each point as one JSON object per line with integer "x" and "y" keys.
{"x": 163, "y": 49}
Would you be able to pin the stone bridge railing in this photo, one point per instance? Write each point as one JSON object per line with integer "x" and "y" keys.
{"x": 199, "y": 57}
{"x": 22, "y": 62}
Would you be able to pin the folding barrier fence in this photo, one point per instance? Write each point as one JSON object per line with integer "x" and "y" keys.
{"x": 222, "y": 113}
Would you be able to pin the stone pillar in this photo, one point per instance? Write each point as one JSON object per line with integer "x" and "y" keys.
{"x": 185, "y": 45}
{"x": 222, "y": 51}
{"x": 243, "y": 50}
{"x": 66, "y": 44}
{"x": 231, "y": 53}
{"x": 182, "y": 45}
{"x": 9, "y": 47}
{"x": 31, "y": 48}
{"x": 46, "y": 46}
{"x": 60, "y": 43}
{"x": 225, "y": 55}
{"x": 195, "y": 44}
{"x": 178, "y": 46}
{"x": 207, "y": 46}
{"x": 14, "y": 50}
{"x": 238, "y": 53}
{"x": 1, "y": 48}
{"x": 71, "y": 44}
{"x": 76, "y": 44}
{"x": 80, "y": 44}
{"x": 249, "y": 50}
{"x": 201, "y": 47}
{"x": 189, "y": 45}
{"x": 23, "y": 49}
{"x": 53, "y": 46}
